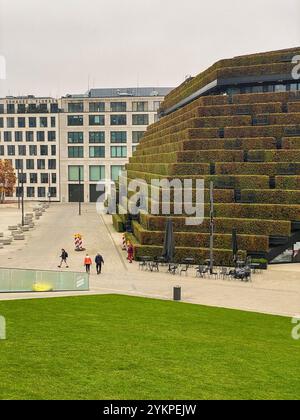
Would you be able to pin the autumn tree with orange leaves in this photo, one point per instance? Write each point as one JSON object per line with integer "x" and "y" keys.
{"x": 7, "y": 179}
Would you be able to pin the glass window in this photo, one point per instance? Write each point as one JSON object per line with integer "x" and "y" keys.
{"x": 10, "y": 122}
{"x": 96, "y": 120}
{"x": 136, "y": 136}
{"x": 280, "y": 88}
{"x": 32, "y": 150}
{"x": 10, "y": 108}
{"x": 140, "y": 106}
{"x": 53, "y": 192}
{"x": 1, "y": 123}
{"x": 53, "y": 122}
{"x": 118, "y": 120}
{"x": 7, "y": 136}
{"x": 75, "y": 152}
{"x": 53, "y": 150}
{"x": 52, "y": 164}
{"x": 43, "y": 108}
{"x": 11, "y": 151}
{"x": 32, "y": 108}
{"x": 75, "y": 137}
{"x": 75, "y": 120}
{"x": 18, "y": 136}
{"x": 73, "y": 173}
{"x": 51, "y": 135}
{"x": 156, "y": 105}
{"x": 53, "y": 178}
{"x": 21, "y": 122}
{"x": 21, "y": 108}
{"x": 75, "y": 107}
{"x": 140, "y": 119}
{"x": 32, "y": 122}
{"x": 1, "y": 150}
{"x": 118, "y": 137}
{"x": 96, "y": 106}
{"x": 33, "y": 178}
{"x": 30, "y": 164}
{"x": 29, "y": 135}
{"x": 41, "y": 164}
{"x": 22, "y": 150}
{"x": 97, "y": 151}
{"x": 44, "y": 179}
{"x": 41, "y": 192}
{"x": 118, "y": 151}
{"x": 134, "y": 149}
{"x": 44, "y": 150}
{"x": 30, "y": 191}
{"x": 97, "y": 137}
{"x": 40, "y": 136}
{"x": 115, "y": 172}
{"x": 43, "y": 122}
{"x": 19, "y": 164}
{"x": 97, "y": 173}
{"x": 53, "y": 108}
{"x": 118, "y": 107}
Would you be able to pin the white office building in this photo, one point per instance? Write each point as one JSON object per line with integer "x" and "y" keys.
{"x": 53, "y": 142}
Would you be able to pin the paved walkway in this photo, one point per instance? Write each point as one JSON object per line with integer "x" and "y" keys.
{"x": 276, "y": 291}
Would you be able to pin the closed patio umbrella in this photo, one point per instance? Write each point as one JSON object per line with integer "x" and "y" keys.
{"x": 169, "y": 243}
{"x": 235, "y": 248}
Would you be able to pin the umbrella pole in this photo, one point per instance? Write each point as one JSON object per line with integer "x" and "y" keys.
{"x": 211, "y": 240}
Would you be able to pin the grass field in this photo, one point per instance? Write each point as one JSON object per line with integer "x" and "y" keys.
{"x": 115, "y": 347}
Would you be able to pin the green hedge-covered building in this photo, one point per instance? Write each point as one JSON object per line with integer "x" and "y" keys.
{"x": 236, "y": 124}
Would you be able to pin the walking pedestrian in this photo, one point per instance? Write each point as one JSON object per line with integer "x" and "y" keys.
{"x": 88, "y": 263}
{"x": 63, "y": 258}
{"x": 130, "y": 251}
{"x": 99, "y": 261}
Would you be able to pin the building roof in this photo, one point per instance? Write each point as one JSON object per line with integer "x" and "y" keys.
{"x": 129, "y": 92}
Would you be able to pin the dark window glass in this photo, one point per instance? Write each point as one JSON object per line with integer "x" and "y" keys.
{"x": 97, "y": 137}
{"x": 30, "y": 164}
{"x": 32, "y": 122}
{"x": 118, "y": 107}
{"x": 22, "y": 150}
{"x": 52, "y": 164}
{"x": 41, "y": 164}
{"x": 75, "y": 137}
{"x": 7, "y": 136}
{"x": 32, "y": 150}
{"x": 18, "y": 136}
{"x": 29, "y": 135}
{"x": 40, "y": 136}
{"x": 140, "y": 119}
{"x": 75, "y": 120}
{"x": 51, "y": 135}
{"x": 75, "y": 152}
{"x": 44, "y": 150}
{"x": 11, "y": 150}
{"x": 96, "y": 120}
{"x": 21, "y": 122}
{"x": 97, "y": 107}
{"x": 118, "y": 137}
{"x": 97, "y": 151}
{"x": 75, "y": 107}
{"x": 118, "y": 120}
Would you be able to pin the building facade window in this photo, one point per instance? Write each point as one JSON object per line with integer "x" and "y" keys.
{"x": 30, "y": 191}
{"x": 75, "y": 137}
{"x": 97, "y": 137}
{"x": 51, "y": 135}
{"x": 73, "y": 173}
{"x": 21, "y": 122}
{"x": 75, "y": 152}
{"x": 44, "y": 150}
{"x": 118, "y": 120}
{"x": 96, "y": 120}
{"x": 136, "y": 136}
{"x": 118, "y": 107}
{"x": 43, "y": 122}
{"x": 10, "y": 122}
{"x": 115, "y": 172}
{"x": 7, "y": 136}
{"x": 44, "y": 178}
{"x": 118, "y": 151}
{"x": 41, "y": 164}
{"x": 51, "y": 164}
{"x": 97, "y": 173}
{"x": 140, "y": 106}
{"x": 140, "y": 119}
{"x": 18, "y": 136}
{"x": 40, "y": 136}
{"x": 22, "y": 150}
{"x": 32, "y": 122}
{"x": 75, "y": 120}
{"x": 97, "y": 152}
{"x": 41, "y": 192}
{"x": 29, "y": 163}
{"x": 29, "y": 136}
{"x": 118, "y": 137}
{"x": 96, "y": 107}
{"x": 75, "y": 107}
{"x": 32, "y": 150}
{"x": 11, "y": 151}
{"x": 33, "y": 178}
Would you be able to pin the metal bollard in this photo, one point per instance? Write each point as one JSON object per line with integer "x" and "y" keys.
{"x": 177, "y": 293}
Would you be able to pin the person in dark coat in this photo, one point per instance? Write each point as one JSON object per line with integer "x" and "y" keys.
{"x": 99, "y": 261}
{"x": 63, "y": 258}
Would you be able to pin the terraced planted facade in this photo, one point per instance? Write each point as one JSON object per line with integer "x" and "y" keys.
{"x": 236, "y": 124}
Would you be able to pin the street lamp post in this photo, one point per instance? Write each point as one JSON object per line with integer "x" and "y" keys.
{"x": 49, "y": 190}
{"x": 212, "y": 228}
{"x": 79, "y": 191}
{"x": 22, "y": 200}
{"x": 19, "y": 196}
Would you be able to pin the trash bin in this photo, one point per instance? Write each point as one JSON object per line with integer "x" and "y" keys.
{"x": 177, "y": 293}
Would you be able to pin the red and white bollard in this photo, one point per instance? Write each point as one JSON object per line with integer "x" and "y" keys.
{"x": 78, "y": 243}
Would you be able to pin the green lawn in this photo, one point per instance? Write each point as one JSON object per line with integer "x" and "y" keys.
{"x": 116, "y": 347}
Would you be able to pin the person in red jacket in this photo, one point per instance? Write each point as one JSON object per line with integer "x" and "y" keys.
{"x": 88, "y": 263}
{"x": 130, "y": 252}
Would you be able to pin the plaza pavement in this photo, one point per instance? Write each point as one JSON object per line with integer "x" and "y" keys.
{"x": 276, "y": 291}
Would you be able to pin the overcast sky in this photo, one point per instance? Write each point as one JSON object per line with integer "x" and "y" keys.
{"x": 54, "y": 47}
